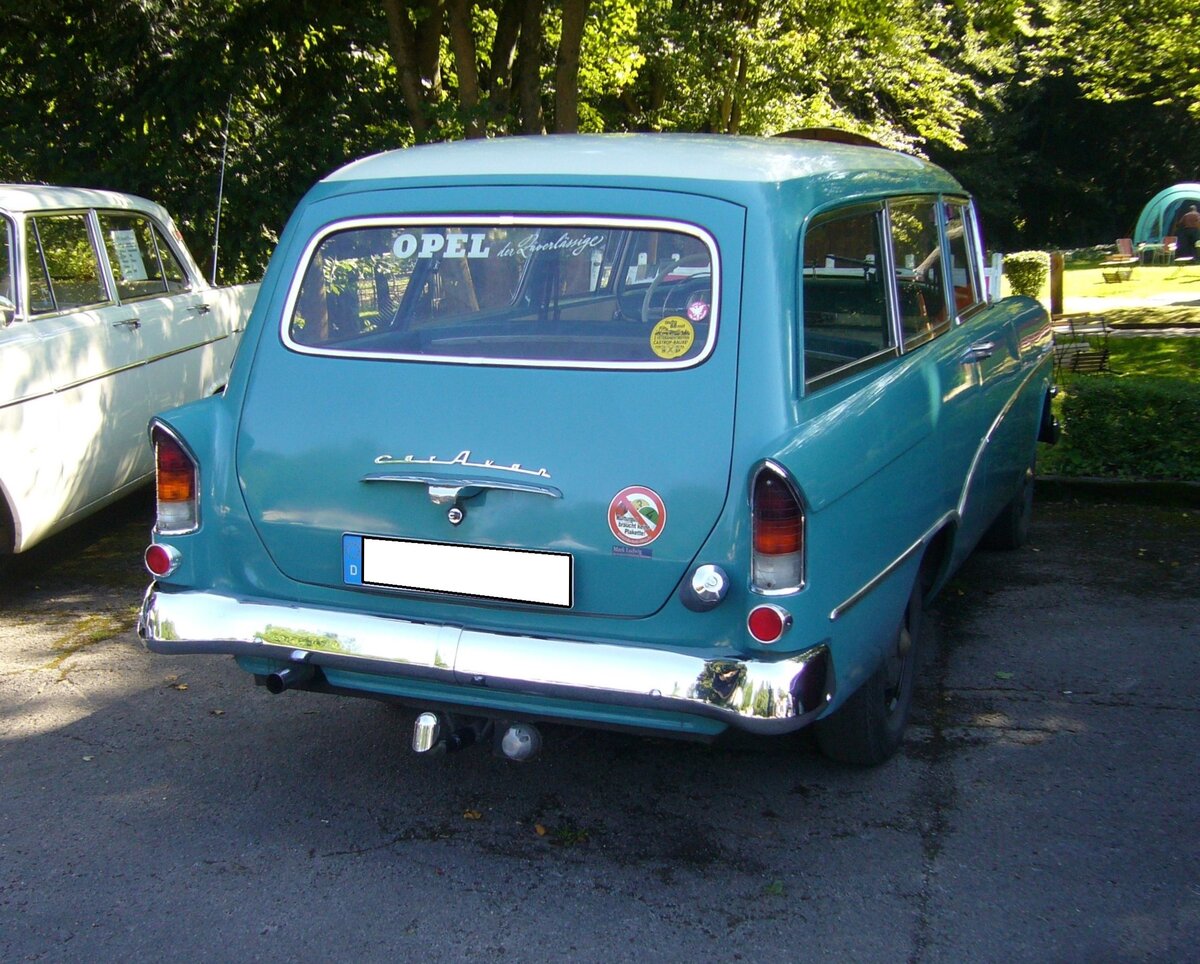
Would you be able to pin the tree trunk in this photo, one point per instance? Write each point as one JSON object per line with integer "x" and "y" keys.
{"x": 566, "y": 79}
{"x": 402, "y": 44}
{"x": 528, "y": 81}
{"x": 462, "y": 43}
{"x": 495, "y": 79}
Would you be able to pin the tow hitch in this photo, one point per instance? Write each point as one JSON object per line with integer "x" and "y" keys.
{"x": 435, "y": 734}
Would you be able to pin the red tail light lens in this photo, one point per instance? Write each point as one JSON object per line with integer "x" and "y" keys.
{"x": 777, "y": 564}
{"x": 176, "y": 483}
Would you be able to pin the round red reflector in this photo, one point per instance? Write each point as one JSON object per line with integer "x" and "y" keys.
{"x": 768, "y": 623}
{"x": 161, "y": 560}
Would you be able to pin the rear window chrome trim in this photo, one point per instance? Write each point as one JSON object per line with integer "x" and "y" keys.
{"x": 504, "y": 221}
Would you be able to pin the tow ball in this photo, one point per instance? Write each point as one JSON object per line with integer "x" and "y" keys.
{"x": 435, "y": 734}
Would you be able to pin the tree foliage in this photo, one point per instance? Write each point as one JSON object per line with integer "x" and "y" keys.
{"x": 1056, "y": 112}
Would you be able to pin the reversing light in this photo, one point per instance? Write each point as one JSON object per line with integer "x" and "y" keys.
{"x": 175, "y": 483}
{"x": 768, "y": 623}
{"x": 777, "y": 562}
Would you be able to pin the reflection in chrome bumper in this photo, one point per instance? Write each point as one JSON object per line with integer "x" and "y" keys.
{"x": 750, "y": 694}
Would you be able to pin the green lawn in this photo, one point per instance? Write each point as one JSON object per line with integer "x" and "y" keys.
{"x": 1155, "y": 295}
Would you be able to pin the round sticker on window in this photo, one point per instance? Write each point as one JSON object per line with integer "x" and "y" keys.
{"x": 672, "y": 337}
{"x": 637, "y": 515}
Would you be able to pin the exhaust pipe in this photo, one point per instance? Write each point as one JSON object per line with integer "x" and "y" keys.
{"x": 288, "y": 677}
{"x": 427, "y": 737}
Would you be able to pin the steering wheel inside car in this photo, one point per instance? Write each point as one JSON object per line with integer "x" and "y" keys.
{"x": 683, "y": 289}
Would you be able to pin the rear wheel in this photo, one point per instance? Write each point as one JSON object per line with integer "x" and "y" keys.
{"x": 1011, "y": 528}
{"x": 869, "y": 727}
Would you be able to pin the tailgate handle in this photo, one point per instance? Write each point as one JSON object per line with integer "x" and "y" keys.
{"x": 444, "y": 491}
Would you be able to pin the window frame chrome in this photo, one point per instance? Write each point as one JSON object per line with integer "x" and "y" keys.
{"x": 505, "y": 221}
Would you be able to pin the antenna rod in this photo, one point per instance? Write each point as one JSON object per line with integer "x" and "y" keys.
{"x": 221, "y": 190}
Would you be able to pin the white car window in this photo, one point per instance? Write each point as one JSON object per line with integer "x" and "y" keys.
{"x": 142, "y": 262}
{"x": 64, "y": 271}
{"x": 6, "y": 260}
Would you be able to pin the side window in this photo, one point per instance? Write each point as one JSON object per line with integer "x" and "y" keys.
{"x": 968, "y": 289}
{"x": 142, "y": 262}
{"x": 846, "y": 320}
{"x": 920, "y": 284}
{"x": 64, "y": 271}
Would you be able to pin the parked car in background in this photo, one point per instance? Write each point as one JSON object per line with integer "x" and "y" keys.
{"x": 104, "y": 320}
{"x": 675, "y": 434}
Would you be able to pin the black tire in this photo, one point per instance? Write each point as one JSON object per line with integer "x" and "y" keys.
{"x": 869, "y": 727}
{"x": 1010, "y": 530}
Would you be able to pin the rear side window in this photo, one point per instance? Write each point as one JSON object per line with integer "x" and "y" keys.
{"x": 64, "y": 271}
{"x": 547, "y": 292}
{"x": 142, "y": 262}
{"x": 920, "y": 283}
{"x": 846, "y": 321}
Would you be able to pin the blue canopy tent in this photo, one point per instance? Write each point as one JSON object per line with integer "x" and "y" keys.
{"x": 1159, "y": 216}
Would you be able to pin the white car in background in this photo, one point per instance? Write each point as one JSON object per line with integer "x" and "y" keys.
{"x": 105, "y": 319}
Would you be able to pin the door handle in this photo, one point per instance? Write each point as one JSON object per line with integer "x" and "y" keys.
{"x": 131, "y": 323}
{"x": 200, "y": 309}
{"x": 979, "y": 351}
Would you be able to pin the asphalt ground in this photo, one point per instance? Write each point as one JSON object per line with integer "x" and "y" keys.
{"x": 1045, "y": 806}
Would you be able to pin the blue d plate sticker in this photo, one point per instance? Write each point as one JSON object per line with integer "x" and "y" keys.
{"x": 352, "y": 553}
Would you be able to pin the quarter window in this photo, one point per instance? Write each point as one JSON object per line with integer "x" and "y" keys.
{"x": 964, "y": 272}
{"x": 64, "y": 271}
{"x": 142, "y": 262}
{"x": 920, "y": 283}
{"x": 846, "y": 321}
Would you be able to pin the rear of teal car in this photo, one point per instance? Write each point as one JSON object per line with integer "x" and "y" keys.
{"x": 528, "y": 431}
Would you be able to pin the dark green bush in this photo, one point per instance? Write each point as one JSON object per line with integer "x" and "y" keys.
{"x": 1135, "y": 427}
{"x": 1027, "y": 271}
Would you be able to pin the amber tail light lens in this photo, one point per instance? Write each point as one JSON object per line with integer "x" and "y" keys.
{"x": 777, "y": 564}
{"x": 175, "y": 482}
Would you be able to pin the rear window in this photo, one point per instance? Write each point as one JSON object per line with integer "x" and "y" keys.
{"x": 547, "y": 292}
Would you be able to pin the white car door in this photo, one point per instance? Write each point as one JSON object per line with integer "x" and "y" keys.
{"x": 72, "y": 402}
{"x": 187, "y": 350}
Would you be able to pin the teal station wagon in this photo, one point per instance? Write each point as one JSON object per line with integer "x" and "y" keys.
{"x": 675, "y": 434}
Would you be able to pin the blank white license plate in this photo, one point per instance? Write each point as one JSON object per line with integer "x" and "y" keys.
{"x": 512, "y": 575}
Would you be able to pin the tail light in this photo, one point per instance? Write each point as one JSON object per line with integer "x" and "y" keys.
{"x": 777, "y": 563}
{"x": 176, "y": 480}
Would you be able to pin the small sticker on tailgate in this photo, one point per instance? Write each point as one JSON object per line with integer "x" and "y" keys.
{"x": 509, "y": 575}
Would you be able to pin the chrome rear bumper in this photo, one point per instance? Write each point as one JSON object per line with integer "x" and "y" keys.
{"x": 757, "y": 695}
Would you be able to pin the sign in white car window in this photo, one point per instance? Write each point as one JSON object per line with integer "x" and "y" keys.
{"x": 129, "y": 255}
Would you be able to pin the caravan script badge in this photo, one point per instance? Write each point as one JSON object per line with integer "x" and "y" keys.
{"x": 637, "y": 515}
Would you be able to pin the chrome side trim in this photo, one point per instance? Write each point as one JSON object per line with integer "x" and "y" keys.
{"x": 842, "y": 608}
{"x": 758, "y": 695}
{"x": 132, "y": 366}
{"x": 991, "y": 433}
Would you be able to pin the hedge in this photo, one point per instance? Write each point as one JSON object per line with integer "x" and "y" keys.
{"x": 1027, "y": 271}
{"x": 1136, "y": 427}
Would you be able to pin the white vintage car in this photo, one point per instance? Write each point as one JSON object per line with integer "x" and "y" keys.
{"x": 105, "y": 319}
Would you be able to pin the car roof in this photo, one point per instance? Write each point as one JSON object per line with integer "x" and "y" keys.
{"x": 24, "y": 198}
{"x": 655, "y": 157}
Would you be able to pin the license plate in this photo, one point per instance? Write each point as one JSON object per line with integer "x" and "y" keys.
{"x": 510, "y": 575}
